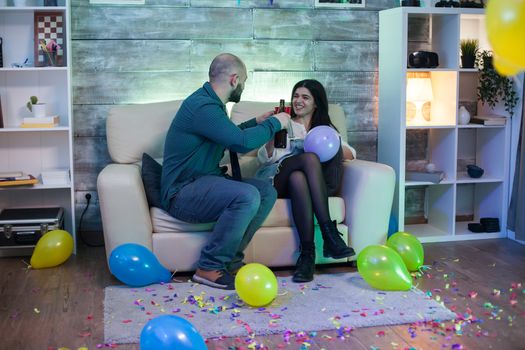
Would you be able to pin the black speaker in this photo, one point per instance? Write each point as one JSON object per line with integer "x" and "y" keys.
{"x": 423, "y": 59}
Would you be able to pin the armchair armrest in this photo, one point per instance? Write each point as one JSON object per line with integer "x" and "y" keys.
{"x": 368, "y": 192}
{"x": 123, "y": 207}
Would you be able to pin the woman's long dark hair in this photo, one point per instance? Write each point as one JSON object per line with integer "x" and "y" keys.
{"x": 320, "y": 116}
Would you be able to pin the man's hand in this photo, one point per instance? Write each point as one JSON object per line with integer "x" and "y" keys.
{"x": 284, "y": 119}
{"x": 263, "y": 117}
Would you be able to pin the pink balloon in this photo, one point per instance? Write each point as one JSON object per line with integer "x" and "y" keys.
{"x": 323, "y": 141}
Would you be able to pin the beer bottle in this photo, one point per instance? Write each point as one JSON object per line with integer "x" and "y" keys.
{"x": 279, "y": 140}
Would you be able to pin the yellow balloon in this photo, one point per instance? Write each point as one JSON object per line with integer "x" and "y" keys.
{"x": 504, "y": 68}
{"x": 505, "y": 24}
{"x": 52, "y": 249}
{"x": 382, "y": 268}
{"x": 256, "y": 284}
{"x": 409, "y": 248}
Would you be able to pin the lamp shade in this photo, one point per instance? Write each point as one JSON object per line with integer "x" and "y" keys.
{"x": 419, "y": 89}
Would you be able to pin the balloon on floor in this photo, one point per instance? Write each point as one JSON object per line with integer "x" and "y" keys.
{"x": 169, "y": 332}
{"x": 382, "y": 268}
{"x": 256, "y": 284}
{"x": 505, "y": 24}
{"x": 52, "y": 249}
{"x": 136, "y": 266}
{"x": 409, "y": 248}
{"x": 323, "y": 141}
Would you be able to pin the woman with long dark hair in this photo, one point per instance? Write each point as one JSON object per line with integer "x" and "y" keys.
{"x": 301, "y": 177}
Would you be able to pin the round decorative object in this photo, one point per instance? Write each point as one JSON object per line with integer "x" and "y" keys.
{"x": 430, "y": 167}
{"x": 474, "y": 171}
{"x": 464, "y": 116}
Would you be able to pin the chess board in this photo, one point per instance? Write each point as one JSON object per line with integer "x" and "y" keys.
{"x": 49, "y": 26}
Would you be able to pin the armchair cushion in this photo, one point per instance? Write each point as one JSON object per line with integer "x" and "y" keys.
{"x": 151, "y": 173}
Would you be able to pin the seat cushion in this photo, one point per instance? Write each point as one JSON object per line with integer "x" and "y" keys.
{"x": 280, "y": 216}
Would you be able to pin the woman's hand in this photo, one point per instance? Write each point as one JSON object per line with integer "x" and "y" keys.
{"x": 263, "y": 117}
{"x": 269, "y": 148}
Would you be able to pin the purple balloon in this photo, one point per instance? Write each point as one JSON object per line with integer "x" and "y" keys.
{"x": 323, "y": 141}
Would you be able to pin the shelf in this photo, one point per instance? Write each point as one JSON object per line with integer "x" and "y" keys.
{"x": 462, "y": 177}
{"x": 431, "y": 211}
{"x": 55, "y": 129}
{"x": 38, "y": 186}
{"x": 428, "y": 233}
{"x": 479, "y": 126}
{"x": 35, "y": 150}
{"x": 429, "y": 125}
{"x": 32, "y": 8}
{"x": 31, "y": 69}
{"x": 463, "y": 233}
{"x": 426, "y": 183}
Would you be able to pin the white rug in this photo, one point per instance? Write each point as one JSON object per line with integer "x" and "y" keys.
{"x": 329, "y": 302}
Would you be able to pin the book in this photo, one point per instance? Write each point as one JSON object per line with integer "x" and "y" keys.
{"x": 52, "y": 119}
{"x": 488, "y": 120}
{"x": 55, "y": 177}
{"x": 17, "y": 181}
{"x": 434, "y": 177}
{"x": 41, "y": 125}
{"x": 9, "y": 174}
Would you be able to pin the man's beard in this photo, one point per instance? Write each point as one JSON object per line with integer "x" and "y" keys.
{"x": 235, "y": 95}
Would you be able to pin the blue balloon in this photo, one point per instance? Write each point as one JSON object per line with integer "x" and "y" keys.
{"x": 170, "y": 332}
{"x": 136, "y": 266}
{"x": 323, "y": 141}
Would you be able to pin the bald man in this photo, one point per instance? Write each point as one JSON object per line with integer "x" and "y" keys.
{"x": 194, "y": 188}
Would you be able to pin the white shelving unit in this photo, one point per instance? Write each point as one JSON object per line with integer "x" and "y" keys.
{"x": 458, "y": 199}
{"x": 35, "y": 150}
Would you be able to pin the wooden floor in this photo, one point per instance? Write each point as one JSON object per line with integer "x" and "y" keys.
{"x": 483, "y": 281}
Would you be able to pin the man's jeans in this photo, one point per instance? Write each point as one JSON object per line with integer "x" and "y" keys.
{"x": 238, "y": 208}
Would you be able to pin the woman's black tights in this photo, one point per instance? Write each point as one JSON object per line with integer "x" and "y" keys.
{"x": 300, "y": 178}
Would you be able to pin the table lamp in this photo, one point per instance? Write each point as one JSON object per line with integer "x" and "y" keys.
{"x": 419, "y": 91}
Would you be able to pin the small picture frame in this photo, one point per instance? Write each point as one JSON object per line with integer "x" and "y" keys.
{"x": 339, "y": 3}
{"x": 50, "y": 38}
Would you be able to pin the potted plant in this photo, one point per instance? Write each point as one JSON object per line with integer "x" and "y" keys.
{"x": 492, "y": 87}
{"x": 38, "y": 109}
{"x": 469, "y": 50}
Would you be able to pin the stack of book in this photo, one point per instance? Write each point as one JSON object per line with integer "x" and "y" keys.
{"x": 41, "y": 122}
{"x": 488, "y": 120}
{"x": 16, "y": 178}
{"x": 56, "y": 177}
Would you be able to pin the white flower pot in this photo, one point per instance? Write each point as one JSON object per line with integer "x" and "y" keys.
{"x": 39, "y": 110}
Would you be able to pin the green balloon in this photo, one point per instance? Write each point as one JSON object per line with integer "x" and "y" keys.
{"x": 410, "y": 249}
{"x": 382, "y": 268}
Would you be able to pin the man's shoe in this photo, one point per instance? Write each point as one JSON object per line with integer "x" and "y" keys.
{"x": 305, "y": 267}
{"x": 217, "y": 279}
{"x": 334, "y": 246}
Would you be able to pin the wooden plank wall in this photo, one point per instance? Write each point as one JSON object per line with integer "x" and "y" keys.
{"x": 161, "y": 51}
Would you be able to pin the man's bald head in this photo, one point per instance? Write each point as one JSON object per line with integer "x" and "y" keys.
{"x": 224, "y": 65}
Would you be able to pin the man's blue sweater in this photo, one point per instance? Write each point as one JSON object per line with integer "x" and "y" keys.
{"x": 198, "y": 136}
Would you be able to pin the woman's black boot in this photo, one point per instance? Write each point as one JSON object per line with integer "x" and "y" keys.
{"x": 334, "y": 246}
{"x": 305, "y": 266}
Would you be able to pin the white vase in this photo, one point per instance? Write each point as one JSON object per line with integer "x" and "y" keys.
{"x": 463, "y": 116}
{"x": 39, "y": 110}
